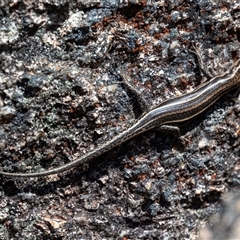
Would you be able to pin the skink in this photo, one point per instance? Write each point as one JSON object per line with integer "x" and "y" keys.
{"x": 171, "y": 111}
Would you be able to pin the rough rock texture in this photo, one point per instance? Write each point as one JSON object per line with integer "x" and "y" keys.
{"x": 60, "y": 96}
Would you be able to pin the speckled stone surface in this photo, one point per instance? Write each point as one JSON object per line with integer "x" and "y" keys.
{"x": 60, "y": 96}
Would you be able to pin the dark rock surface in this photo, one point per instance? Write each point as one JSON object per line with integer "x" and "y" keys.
{"x": 60, "y": 97}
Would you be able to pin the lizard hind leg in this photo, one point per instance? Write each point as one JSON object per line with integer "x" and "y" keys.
{"x": 173, "y": 130}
